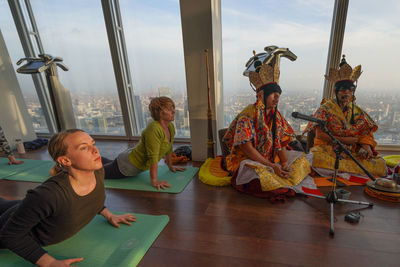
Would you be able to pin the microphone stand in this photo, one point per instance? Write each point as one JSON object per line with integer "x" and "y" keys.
{"x": 332, "y": 197}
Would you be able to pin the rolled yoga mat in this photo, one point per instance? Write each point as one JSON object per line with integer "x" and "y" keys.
{"x": 39, "y": 172}
{"x": 101, "y": 244}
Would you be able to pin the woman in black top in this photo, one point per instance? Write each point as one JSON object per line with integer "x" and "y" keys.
{"x": 62, "y": 205}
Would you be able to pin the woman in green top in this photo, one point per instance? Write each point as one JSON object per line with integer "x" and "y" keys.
{"x": 155, "y": 142}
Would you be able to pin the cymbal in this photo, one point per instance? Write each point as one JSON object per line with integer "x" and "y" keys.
{"x": 383, "y": 189}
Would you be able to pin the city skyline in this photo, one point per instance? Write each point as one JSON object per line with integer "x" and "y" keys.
{"x": 155, "y": 54}
{"x": 101, "y": 114}
{"x": 78, "y": 35}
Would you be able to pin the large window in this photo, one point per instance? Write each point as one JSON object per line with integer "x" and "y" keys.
{"x": 303, "y": 27}
{"x": 25, "y": 81}
{"x": 154, "y": 45}
{"x": 75, "y": 31}
{"x": 372, "y": 39}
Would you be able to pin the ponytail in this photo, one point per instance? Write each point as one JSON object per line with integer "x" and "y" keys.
{"x": 57, "y": 168}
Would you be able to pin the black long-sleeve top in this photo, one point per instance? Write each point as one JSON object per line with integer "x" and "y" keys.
{"x": 50, "y": 213}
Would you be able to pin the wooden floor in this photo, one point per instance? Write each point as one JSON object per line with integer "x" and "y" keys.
{"x": 211, "y": 226}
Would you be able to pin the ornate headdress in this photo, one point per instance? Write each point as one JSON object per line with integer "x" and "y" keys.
{"x": 263, "y": 68}
{"x": 263, "y": 72}
{"x": 344, "y": 73}
{"x": 345, "y": 78}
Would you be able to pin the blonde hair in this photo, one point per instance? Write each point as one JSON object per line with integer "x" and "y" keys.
{"x": 157, "y": 104}
{"x": 58, "y": 148}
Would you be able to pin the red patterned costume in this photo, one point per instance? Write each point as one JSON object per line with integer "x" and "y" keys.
{"x": 252, "y": 125}
{"x": 259, "y": 135}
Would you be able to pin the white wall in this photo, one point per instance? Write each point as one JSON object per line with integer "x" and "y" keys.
{"x": 14, "y": 117}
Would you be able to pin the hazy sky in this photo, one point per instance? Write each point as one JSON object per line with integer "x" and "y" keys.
{"x": 75, "y": 30}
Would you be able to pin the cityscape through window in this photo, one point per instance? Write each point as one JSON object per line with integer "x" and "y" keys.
{"x": 155, "y": 52}
{"x": 75, "y": 31}
{"x": 15, "y": 51}
{"x": 371, "y": 39}
{"x": 301, "y": 26}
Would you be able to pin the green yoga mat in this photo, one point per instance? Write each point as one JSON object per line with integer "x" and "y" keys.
{"x": 10, "y": 170}
{"x": 37, "y": 174}
{"x": 38, "y": 171}
{"x": 178, "y": 180}
{"x": 101, "y": 244}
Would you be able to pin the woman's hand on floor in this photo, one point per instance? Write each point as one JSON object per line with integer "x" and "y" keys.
{"x": 67, "y": 262}
{"x": 48, "y": 261}
{"x": 160, "y": 184}
{"x": 174, "y": 169}
{"x": 114, "y": 219}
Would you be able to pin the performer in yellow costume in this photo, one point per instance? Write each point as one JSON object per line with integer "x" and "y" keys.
{"x": 348, "y": 123}
{"x": 258, "y": 137}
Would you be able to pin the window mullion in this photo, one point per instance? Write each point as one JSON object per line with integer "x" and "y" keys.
{"x": 121, "y": 66}
{"x": 29, "y": 51}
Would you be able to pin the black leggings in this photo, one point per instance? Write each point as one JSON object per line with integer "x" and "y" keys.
{"x": 112, "y": 171}
{"x": 7, "y": 204}
{"x": 7, "y": 208}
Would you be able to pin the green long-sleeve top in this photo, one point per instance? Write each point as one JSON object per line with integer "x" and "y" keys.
{"x": 153, "y": 145}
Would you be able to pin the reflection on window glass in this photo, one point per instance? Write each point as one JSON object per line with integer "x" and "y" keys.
{"x": 372, "y": 39}
{"x": 15, "y": 51}
{"x": 75, "y": 31}
{"x": 301, "y": 26}
{"x": 155, "y": 50}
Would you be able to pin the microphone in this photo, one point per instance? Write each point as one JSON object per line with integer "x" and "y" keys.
{"x": 307, "y": 118}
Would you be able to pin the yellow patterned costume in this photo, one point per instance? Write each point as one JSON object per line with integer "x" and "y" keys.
{"x": 348, "y": 121}
{"x": 300, "y": 168}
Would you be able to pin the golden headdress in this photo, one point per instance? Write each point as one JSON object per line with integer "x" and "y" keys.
{"x": 344, "y": 73}
{"x": 263, "y": 68}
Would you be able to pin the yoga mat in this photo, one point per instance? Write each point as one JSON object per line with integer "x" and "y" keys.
{"x": 37, "y": 174}
{"x": 8, "y": 170}
{"x": 38, "y": 171}
{"x": 101, "y": 244}
{"x": 178, "y": 180}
